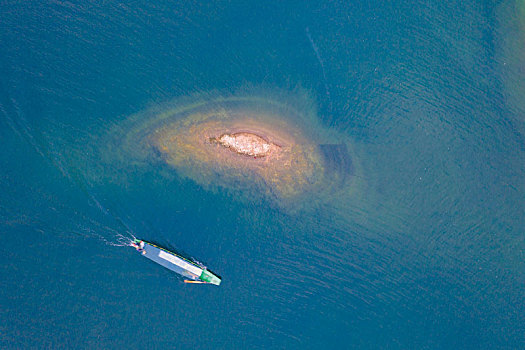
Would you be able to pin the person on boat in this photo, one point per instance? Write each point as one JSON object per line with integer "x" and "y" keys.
{"x": 139, "y": 247}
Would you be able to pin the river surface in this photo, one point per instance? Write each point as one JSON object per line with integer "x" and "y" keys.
{"x": 425, "y": 249}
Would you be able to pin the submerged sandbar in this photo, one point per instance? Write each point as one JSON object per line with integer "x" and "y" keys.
{"x": 251, "y": 145}
{"x": 240, "y": 150}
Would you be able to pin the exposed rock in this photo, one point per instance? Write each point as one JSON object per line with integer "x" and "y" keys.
{"x": 246, "y": 144}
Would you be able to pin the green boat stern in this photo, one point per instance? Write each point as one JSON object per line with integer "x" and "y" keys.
{"x": 209, "y": 277}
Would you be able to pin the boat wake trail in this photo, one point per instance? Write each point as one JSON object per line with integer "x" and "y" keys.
{"x": 87, "y": 225}
{"x": 321, "y": 63}
{"x": 117, "y": 238}
{"x": 120, "y": 240}
{"x": 123, "y": 241}
{"x": 94, "y": 229}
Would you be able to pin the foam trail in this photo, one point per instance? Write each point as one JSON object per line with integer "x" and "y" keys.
{"x": 316, "y": 50}
{"x": 22, "y": 128}
{"x": 106, "y": 211}
{"x": 10, "y": 122}
{"x": 321, "y": 62}
{"x": 117, "y": 240}
{"x": 26, "y": 129}
{"x": 121, "y": 239}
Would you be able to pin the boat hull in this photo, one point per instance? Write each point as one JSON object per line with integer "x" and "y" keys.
{"x": 177, "y": 263}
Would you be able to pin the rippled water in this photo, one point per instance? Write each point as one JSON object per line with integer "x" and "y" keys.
{"x": 425, "y": 251}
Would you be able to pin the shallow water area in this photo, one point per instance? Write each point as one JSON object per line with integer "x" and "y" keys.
{"x": 288, "y": 155}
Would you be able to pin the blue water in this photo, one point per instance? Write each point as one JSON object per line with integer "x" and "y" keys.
{"x": 428, "y": 252}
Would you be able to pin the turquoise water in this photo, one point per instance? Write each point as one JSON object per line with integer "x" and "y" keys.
{"x": 427, "y": 251}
